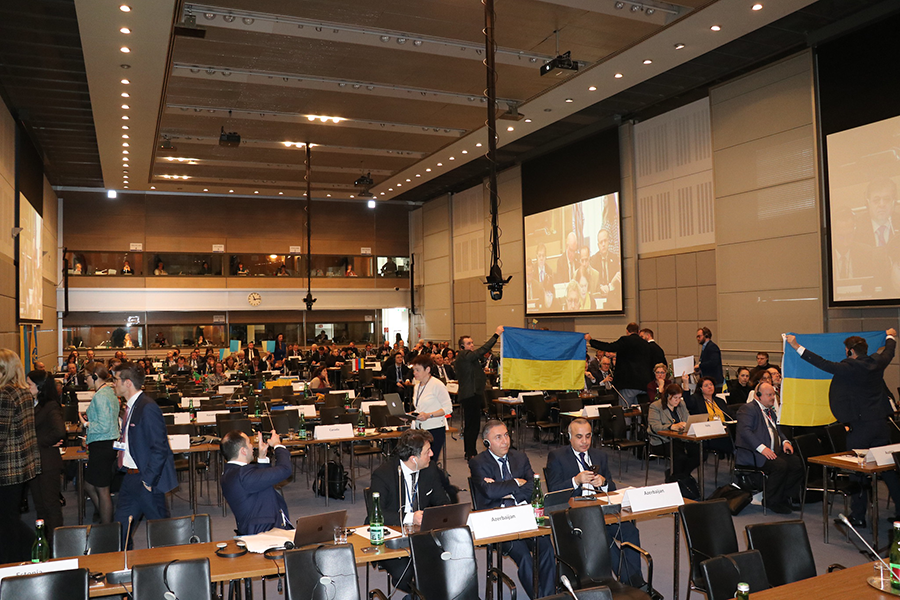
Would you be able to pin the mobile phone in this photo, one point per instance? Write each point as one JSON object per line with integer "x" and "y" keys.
{"x": 595, "y": 469}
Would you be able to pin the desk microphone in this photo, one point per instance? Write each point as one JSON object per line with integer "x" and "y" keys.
{"x": 844, "y": 520}
{"x": 124, "y": 576}
{"x": 567, "y": 585}
{"x": 624, "y": 401}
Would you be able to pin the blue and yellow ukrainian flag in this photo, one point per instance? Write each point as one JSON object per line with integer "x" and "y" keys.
{"x": 542, "y": 360}
{"x": 804, "y": 388}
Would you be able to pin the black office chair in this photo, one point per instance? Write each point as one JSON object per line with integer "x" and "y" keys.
{"x": 750, "y": 478}
{"x": 537, "y": 414}
{"x": 570, "y": 404}
{"x": 723, "y": 573}
{"x": 323, "y": 572}
{"x": 81, "y": 540}
{"x": 709, "y": 532}
{"x": 177, "y": 531}
{"x": 785, "y": 550}
{"x": 58, "y": 585}
{"x": 381, "y": 417}
{"x": 241, "y": 424}
{"x": 615, "y": 432}
{"x": 444, "y": 566}
{"x": 595, "y": 593}
{"x": 837, "y": 437}
{"x": 185, "y": 579}
{"x": 282, "y": 421}
{"x": 809, "y": 445}
{"x": 582, "y": 551}
{"x": 330, "y": 415}
{"x": 335, "y": 399}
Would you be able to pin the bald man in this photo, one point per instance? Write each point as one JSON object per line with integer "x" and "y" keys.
{"x": 567, "y": 263}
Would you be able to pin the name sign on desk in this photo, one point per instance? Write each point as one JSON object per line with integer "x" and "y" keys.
{"x": 186, "y": 402}
{"x": 208, "y": 417}
{"x": 366, "y": 406}
{"x": 84, "y": 396}
{"x": 593, "y": 410}
{"x": 307, "y": 410}
{"x": 881, "y": 455}
{"x": 38, "y": 568}
{"x": 334, "y": 432}
{"x": 181, "y": 418}
{"x": 652, "y": 497}
{"x": 228, "y": 389}
{"x": 180, "y": 442}
{"x": 706, "y": 429}
{"x": 501, "y": 521}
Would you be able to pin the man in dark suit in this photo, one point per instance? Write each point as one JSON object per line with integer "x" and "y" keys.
{"x": 252, "y": 351}
{"x": 408, "y": 483}
{"x": 503, "y": 477}
{"x": 586, "y": 471}
{"x": 657, "y": 354}
{"x": 250, "y": 488}
{"x": 710, "y": 364}
{"x": 144, "y": 453}
{"x": 634, "y": 364}
{"x": 470, "y": 375}
{"x": 443, "y": 372}
{"x": 396, "y": 374}
{"x": 567, "y": 263}
{"x": 761, "y": 442}
{"x": 858, "y": 399}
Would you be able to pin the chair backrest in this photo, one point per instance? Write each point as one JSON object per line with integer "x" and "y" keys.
{"x": 536, "y": 409}
{"x": 560, "y": 396}
{"x": 243, "y": 424}
{"x": 281, "y": 421}
{"x": 723, "y": 573}
{"x": 177, "y": 531}
{"x": 79, "y": 540}
{"x": 280, "y": 391}
{"x": 808, "y": 445}
{"x": 837, "y": 437}
{"x": 217, "y": 403}
{"x": 181, "y": 428}
{"x": 58, "y": 585}
{"x": 321, "y": 572}
{"x": 169, "y": 418}
{"x": 334, "y": 399}
{"x": 617, "y": 425}
{"x": 785, "y": 550}
{"x": 570, "y": 404}
{"x": 472, "y": 494}
{"x": 329, "y": 414}
{"x": 444, "y": 564}
{"x": 186, "y": 579}
{"x": 595, "y": 593}
{"x": 708, "y": 532}
{"x": 347, "y": 418}
{"x": 582, "y": 545}
{"x": 365, "y": 376}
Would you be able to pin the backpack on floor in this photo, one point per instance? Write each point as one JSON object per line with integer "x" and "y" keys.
{"x": 337, "y": 481}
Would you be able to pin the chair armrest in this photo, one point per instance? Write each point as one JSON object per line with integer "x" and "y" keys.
{"x": 496, "y": 574}
{"x": 376, "y": 593}
{"x": 568, "y": 566}
{"x": 415, "y": 593}
{"x": 647, "y": 557}
{"x": 836, "y": 567}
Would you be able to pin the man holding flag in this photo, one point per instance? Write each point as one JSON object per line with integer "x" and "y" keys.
{"x": 858, "y": 398}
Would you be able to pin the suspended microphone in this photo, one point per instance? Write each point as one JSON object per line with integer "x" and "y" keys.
{"x": 844, "y": 520}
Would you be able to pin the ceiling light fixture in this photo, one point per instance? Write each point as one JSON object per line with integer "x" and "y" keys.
{"x": 125, "y": 49}
{"x": 593, "y": 88}
{"x": 619, "y": 5}
{"x": 125, "y": 106}
{"x": 125, "y": 81}
{"x": 124, "y": 117}
{"x": 205, "y": 189}
{"x": 649, "y": 11}
{"x": 124, "y": 136}
{"x": 125, "y": 144}
{"x": 478, "y": 145}
{"x": 569, "y": 100}
{"x": 125, "y": 30}
{"x": 510, "y": 128}
{"x": 111, "y": 193}
{"x": 125, "y": 95}
{"x": 647, "y": 61}
{"x": 618, "y": 76}
{"x": 428, "y": 170}
{"x": 756, "y": 6}
{"x": 636, "y": 7}
{"x": 440, "y": 164}
{"x": 716, "y": 28}
{"x": 152, "y": 187}
{"x": 679, "y": 46}
{"x": 526, "y": 120}
{"x": 370, "y": 203}
{"x": 125, "y": 8}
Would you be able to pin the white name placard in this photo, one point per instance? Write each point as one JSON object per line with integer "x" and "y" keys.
{"x": 881, "y": 455}
{"x": 334, "y": 432}
{"x": 652, "y": 497}
{"x": 502, "y": 521}
{"x": 83, "y": 406}
{"x": 351, "y": 393}
{"x": 706, "y": 429}
{"x": 186, "y": 402}
{"x": 37, "y": 568}
{"x": 208, "y": 417}
{"x": 84, "y": 396}
{"x": 365, "y": 406}
{"x": 182, "y": 418}
{"x": 180, "y": 442}
{"x": 591, "y": 410}
{"x": 228, "y": 389}
{"x": 298, "y": 386}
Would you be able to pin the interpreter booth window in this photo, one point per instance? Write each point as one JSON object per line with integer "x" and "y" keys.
{"x": 170, "y": 264}
{"x": 268, "y": 265}
{"x": 393, "y": 266}
{"x": 269, "y": 331}
{"x": 341, "y": 266}
{"x": 105, "y": 263}
{"x": 103, "y": 336}
{"x": 165, "y": 336}
{"x": 359, "y": 332}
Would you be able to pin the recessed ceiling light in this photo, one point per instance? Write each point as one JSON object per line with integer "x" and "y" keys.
{"x": 618, "y": 76}
{"x": 647, "y": 61}
{"x": 124, "y": 136}
{"x": 327, "y": 195}
{"x": 716, "y": 28}
{"x": 152, "y": 187}
{"x": 124, "y": 151}
{"x": 371, "y": 203}
{"x": 124, "y": 176}
{"x": 125, "y": 186}
{"x": 352, "y": 196}
{"x": 440, "y": 164}
{"x": 230, "y": 191}
{"x": 399, "y": 184}
{"x": 125, "y": 49}
{"x": 125, "y": 106}
{"x": 125, "y": 158}
{"x": 255, "y": 191}
{"x": 205, "y": 189}
{"x": 510, "y": 128}
{"x": 757, "y": 6}
{"x": 408, "y": 180}
{"x": 418, "y": 175}
{"x": 124, "y": 144}
{"x": 679, "y": 46}
{"x": 478, "y": 145}
{"x": 569, "y": 100}
{"x": 390, "y": 189}
{"x": 280, "y": 193}
{"x": 124, "y": 30}
{"x": 125, "y": 81}
{"x": 465, "y": 151}
{"x": 124, "y": 117}
{"x": 124, "y": 126}
{"x": 428, "y": 170}
{"x": 125, "y": 8}
{"x": 526, "y": 120}
{"x": 125, "y": 95}
{"x": 593, "y": 88}
{"x": 452, "y": 158}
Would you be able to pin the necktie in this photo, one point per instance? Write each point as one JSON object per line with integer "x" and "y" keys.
{"x": 881, "y": 236}
{"x": 584, "y": 465}
{"x": 415, "y": 491}
{"x": 504, "y": 469}
{"x": 399, "y": 376}
{"x": 120, "y": 459}
{"x": 770, "y": 422}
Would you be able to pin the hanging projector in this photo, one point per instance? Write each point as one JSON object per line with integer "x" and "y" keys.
{"x": 495, "y": 282}
{"x": 229, "y": 139}
{"x": 364, "y": 181}
{"x": 563, "y": 62}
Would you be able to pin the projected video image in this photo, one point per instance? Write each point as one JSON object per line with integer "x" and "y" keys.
{"x": 573, "y": 259}
{"x": 863, "y": 175}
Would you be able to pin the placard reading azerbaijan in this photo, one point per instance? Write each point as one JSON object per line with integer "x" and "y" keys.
{"x": 804, "y": 388}
{"x": 532, "y": 359}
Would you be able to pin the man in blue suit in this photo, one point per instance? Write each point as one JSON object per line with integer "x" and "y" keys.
{"x": 250, "y": 488}
{"x": 761, "y": 442}
{"x": 144, "y": 453}
{"x": 586, "y": 471}
{"x": 710, "y": 364}
{"x": 503, "y": 477}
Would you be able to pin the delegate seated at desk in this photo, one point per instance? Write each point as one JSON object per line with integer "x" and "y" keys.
{"x": 571, "y": 467}
{"x": 408, "y": 483}
{"x": 250, "y": 488}
{"x": 705, "y": 401}
{"x": 670, "y": 414}
{"x": 503, "y": 477}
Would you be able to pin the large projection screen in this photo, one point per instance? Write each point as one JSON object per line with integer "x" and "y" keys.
{"x": 573, "y": 259}
{"x": 863, "y": 175}
{"x": 31, "y": 290}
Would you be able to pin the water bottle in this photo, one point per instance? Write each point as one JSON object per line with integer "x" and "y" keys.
{"x": 537, "y": 500}
{"x": 743, "y": 592}
{"x": 376, "y": 521}
{"x": 895, "y": 557}
{"x": 40, "y": 550}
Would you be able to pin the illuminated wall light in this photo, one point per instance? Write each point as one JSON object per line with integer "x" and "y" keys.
{"x": 111, "y": 194}
{"x": 125, "y": 8}
{"x": 125, "y": 49}
{"x": 371, "y": 204}
{"x": 124, "y": 30}
{"x": 716, "y": 28}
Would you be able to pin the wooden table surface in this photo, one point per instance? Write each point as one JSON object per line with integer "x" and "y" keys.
{"x": 848, "y": 584}
{"x": 832, "y": 460}
{"x": 688, "y": 438}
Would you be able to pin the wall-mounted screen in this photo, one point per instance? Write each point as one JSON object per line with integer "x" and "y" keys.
{"x": 863, "y": 175}
{"x": 573, "y": 258}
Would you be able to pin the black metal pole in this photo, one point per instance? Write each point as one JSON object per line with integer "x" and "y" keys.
{"x": 491, "y": 93}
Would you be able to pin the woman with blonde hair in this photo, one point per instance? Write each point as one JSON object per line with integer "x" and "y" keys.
{"x": 19, "y": 458}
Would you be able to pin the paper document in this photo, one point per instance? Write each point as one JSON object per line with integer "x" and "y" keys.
{"x": 363, "y": 531}
{"x": 615, "y": 497}
{"x": 274, "y": 538}
{"x": 680, "y": 366}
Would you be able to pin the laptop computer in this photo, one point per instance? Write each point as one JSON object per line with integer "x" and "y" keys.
{"x": 445, "y": 517}
{"x": 319, "y": 528}
{"x": 395, "y": 406}
{"x": 558, "y": 500}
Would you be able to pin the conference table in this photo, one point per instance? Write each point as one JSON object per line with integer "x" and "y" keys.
{"x": 845, "y": 584}
{"x": 848, "y": 461}
{"x": 675, "y": 435}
